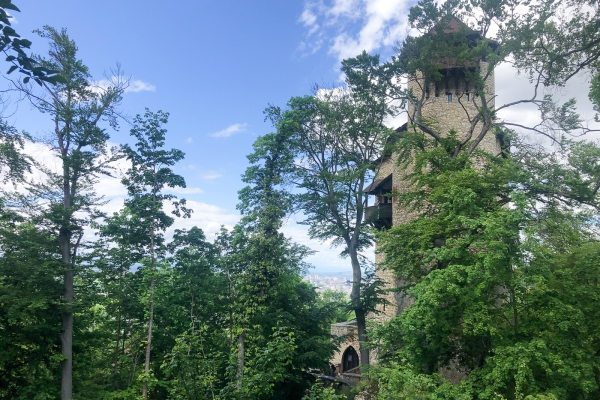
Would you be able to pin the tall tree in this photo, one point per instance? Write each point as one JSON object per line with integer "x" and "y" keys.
{"x": 264, "y": 207}
{"x": 146, "y": 181}
{"x": 469, "y": 259}
{"x": 280, "y": 328}
{"x": 77, "y": 110}
{"x": 337, "y": 137}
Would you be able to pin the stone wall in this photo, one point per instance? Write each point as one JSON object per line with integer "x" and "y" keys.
{"x": 448, "y": 115}
{"x": 456, "y": 114}
{"x": 348, "y": 330}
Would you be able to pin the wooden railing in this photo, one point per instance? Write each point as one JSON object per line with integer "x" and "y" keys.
{"x": 380, "y": 215}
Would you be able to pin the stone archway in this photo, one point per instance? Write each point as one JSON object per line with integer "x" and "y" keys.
{"x": 349, "y": 359}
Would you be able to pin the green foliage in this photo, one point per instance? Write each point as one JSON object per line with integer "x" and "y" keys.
{"x": 13, "y": 162}
{"x": 150, "y": 173}
{"x": 594, "y": 94}
{"x": 338, "y": 301}
{"x": 29, "y": 311}
{"x": 194, "y": 368}
{"x": 501, "y": 265}
{"x": 319, "y": 392}
{"x": 400, "y": 382}
{"x": 14, "y": 47}
{"x": 268, "y": 366}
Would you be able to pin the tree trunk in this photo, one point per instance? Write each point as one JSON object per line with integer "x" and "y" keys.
{"x": 66, "y": 391}
{"x": 116, "y": 353}
{"x": 359, "y": 312}
{"x": 241, "y": 358}
{"x": 66, "y": 338}
{"x": 149, "y": 342}
{"x": 151, "y": 316}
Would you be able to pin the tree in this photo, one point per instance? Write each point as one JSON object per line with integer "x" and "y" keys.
{"x": 537, "y": 40}
{"x": 278, "y": 328}
{"x": 481, "y": 258}
{"x": 150, "y": 174}
{"x": 80, "y": 143}
{"x": 14, "y": 47}
{"x": 198, "y": 305}
{"x": 504, "y": 299}
{"x": 337, "y": 137}
{"x": 29, "y": 309}
{"x": 264, "y": 207}
{"x": 114, "y": 258}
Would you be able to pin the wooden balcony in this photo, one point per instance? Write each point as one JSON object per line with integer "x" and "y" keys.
{"x": 380, "y": 215}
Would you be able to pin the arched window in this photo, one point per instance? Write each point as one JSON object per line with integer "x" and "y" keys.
{"x": 349, "y": 359}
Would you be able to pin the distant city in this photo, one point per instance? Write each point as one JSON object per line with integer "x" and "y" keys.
{"x": 335, "y": 283}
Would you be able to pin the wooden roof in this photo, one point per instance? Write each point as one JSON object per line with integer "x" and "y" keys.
{"x": 377, "y": 184}
{"x": 451, "y": 25}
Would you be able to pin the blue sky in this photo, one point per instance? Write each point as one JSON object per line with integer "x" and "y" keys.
{"x": 214, "y": 66}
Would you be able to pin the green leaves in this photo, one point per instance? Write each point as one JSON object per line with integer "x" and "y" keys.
{"x": 594, "y": 94}
{"x": 29, "y": 310}
{"x": 10, "y": 43}
{"x": 150, "y": 174}
{"x": 499, "y": 264}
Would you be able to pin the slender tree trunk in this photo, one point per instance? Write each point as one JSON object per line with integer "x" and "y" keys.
{"x": 66, "y": 338}
{"x": 359, "y": 312}
{"x": 116, "y": 352}
{"x": 151, "y": 316}
{"x": 230, "y": 327}
{"x": 149, "y": 342}
{"x": 66, "y": 392}
{"x": 241, "y": 358}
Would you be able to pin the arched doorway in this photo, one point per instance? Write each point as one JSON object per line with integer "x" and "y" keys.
{"x": 349, "y": 359}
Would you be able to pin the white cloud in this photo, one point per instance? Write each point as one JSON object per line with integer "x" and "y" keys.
{"x": 308, "y": 18}
{"x": 140, "y": 86}
{"x": 210, "y": 175}
{"x": 189, "y": 167}
{"x": 351, "y": 26}
{"x": 186, "y": 190}
{"x": 345, "y": 8}
{"x": 208, "y": 217}
{"x": 326, "y": 259}
{"x": 189, "y": 140}
{"x": 134, "y": 86}
{"x": 13, "y": 20}
{"x": 230, "y": 130}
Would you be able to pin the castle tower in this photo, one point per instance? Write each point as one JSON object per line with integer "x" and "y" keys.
{"x": 450, "y": 103}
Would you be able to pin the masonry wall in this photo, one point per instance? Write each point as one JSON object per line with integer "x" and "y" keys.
{"x": 347, "y": 329}
{"x": 448, "y": 115}
{"x": 455, "y": 115}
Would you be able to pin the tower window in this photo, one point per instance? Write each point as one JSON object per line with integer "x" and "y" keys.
{"x": 449, "y": 97}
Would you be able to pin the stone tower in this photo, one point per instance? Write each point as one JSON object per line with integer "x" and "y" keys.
{"x": 452, "y": 103}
